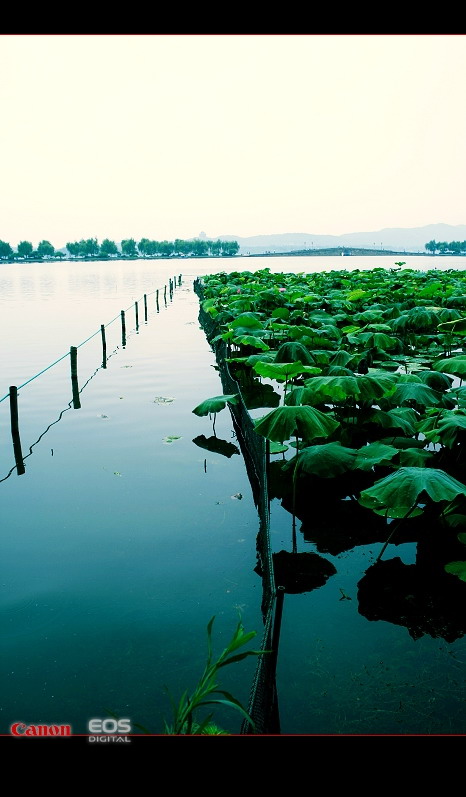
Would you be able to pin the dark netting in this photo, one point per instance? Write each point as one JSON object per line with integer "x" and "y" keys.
{"x": 263, "y": 704}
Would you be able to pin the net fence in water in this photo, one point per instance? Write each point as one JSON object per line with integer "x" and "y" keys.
{"x": 263, "y": 703}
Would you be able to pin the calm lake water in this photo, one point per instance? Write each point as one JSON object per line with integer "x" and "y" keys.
{"x": 123, "y": 537}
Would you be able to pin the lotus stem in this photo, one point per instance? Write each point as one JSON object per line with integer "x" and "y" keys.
{"x": 396, "y": 526}
{"x": 295, "y": 475}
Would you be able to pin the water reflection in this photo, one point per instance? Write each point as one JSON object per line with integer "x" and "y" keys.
{"x": 216, "y": 445}
{"x": 75, "y": 403}
{"x": 426, "y": 602}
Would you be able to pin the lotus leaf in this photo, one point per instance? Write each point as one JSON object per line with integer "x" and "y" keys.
{"x": 293, "y": 351}
{"x": 338, "y": 370}
{"x": 341, "y": 388}
{"x": 327, "y": 460}
{"x": 277, "y": 448}
{"x": 215, "y": 404}
{"x": 281, "y": 312}
{"x": 435, "y": 379}
{"x": 251, "y": 340}
{"x": 417, "y": 392}
{"x": 457, "y": 569}
{"x": 374, "y": 454}
{"x": 247, "y": 320}
{"x": 456, "y": 327}
{"x": 415, "y": 457}
{"x": 451, "y": 429}
{"x": 283, "y": 423}
{"x": 279, "y": 370}
{"x": 408, "y": 486}
{"x": 341, "y": 358}
{"x": 452, "y": 365}
{"x": 263, "y": 358}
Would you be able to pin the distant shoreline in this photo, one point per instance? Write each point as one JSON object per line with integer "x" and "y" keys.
{"x": 337, "y": 251}
{"x": 341, "y": 251}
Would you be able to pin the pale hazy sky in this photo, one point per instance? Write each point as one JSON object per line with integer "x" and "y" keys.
{"x": 164, "y": 136}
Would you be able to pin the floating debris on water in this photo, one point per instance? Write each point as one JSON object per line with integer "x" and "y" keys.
{"x": 171, "y": 438}
{"x": 236, "y": 496}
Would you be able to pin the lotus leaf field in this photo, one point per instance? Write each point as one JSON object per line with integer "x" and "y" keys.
{"x": 356, "y": 379}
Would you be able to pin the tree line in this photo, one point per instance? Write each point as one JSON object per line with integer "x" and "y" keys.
{"x": 444, "y": 248}
{"x": 90, "y": 248}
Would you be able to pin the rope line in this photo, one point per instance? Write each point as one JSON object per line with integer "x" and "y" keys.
{"x": 84, "y": 341}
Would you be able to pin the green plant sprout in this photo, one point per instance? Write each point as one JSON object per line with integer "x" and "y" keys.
{"x": 206, "y": 691}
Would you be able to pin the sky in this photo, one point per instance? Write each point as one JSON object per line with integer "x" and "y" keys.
{"x": 166, "y": 136}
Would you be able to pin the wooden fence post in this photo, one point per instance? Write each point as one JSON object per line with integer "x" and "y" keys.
{"x": 123, "y": 329}
{"x": 104, "y": 346}
{"x": 74, "y": 377}
{"x": 20, "y": 469}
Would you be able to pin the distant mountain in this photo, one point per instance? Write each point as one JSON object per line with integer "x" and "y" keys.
{"x": 400, "y": 239}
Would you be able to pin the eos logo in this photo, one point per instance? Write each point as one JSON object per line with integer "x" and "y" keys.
{"x": 109, "y": 730}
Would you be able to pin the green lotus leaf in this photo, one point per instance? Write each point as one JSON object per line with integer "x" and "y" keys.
{"x": 257, "y": 395}
{"x": 456, "y": 327}
{"x": 403, "y": 443}
{"x": 409, "y": 486}
{"x": 369, "y": 316}
{"x": 338, "y": 370}
{"x": 380, "y": 328}
{"x": 341, "y": 358}
{"x": 283, "y": 423}
{"x": 403, "y": 378}
{"x": 247, "y": 320}
{"x": 293, "y": 351}
{"x": 374, "y": 454}
{"x": 422, "y": 319}
{"x": 239, "y": 332}
{"x": 451, "y": 429}
{"x": 417, "y": 392}
{"x": 452, "y": 365}
{"x": 268, "y": 357}
{"x": 333, "y": 388}
{"x": 341, "y": 388}
{"x": 358, "y": 338}
{"x": 387, "y": 420}
{"x": 415, "y": 457}
{"x": 435, "y": 379}
{"x": 454, "y": 521}
{"x": 448, "y": 314}
{"x": 277, "y": 448}
{"x": 382, "y": 341}
{"x": 376, "y": 385}
{"x": 326, "y": 460}
{"x": 356, "y": 295}
{"x": 215, "y": 404}
{"x": 278, "y": 370}
{"x": 297, "y": 396}
{"x": 460, "y": 395}
{"x": 251, "y": 340}
{"x": 321, "y": 356}
{"x": 311, "y": 337}
{"x": 350, "y": 329}
{"x": 457, "y": 569}
{"x": 281, "y": 312}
